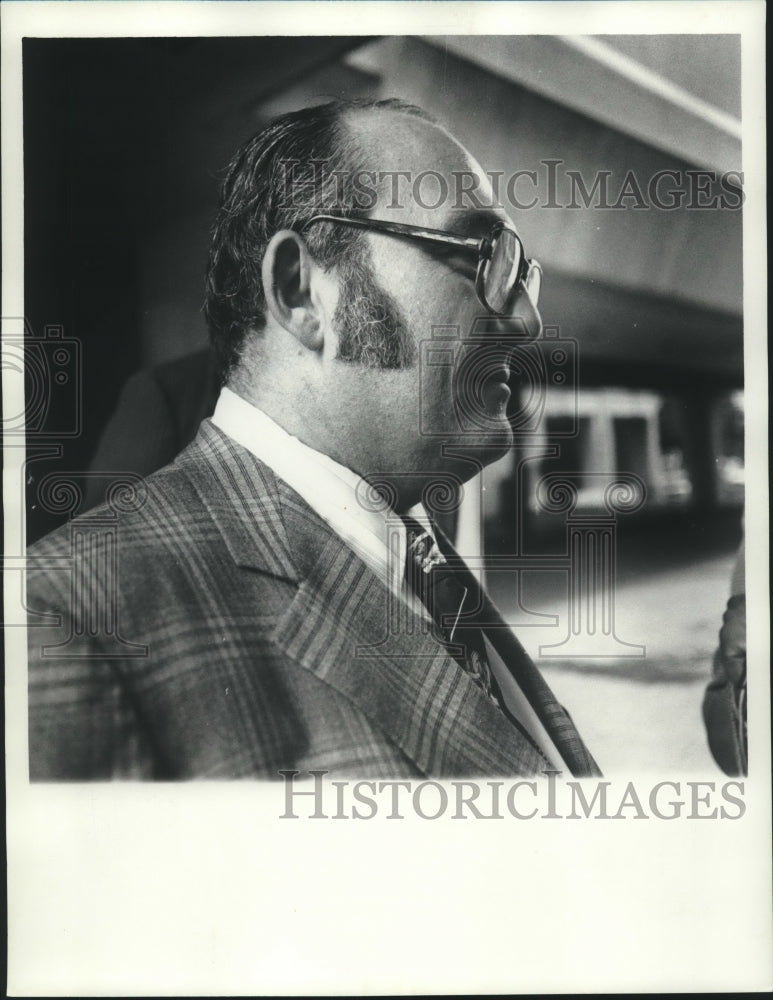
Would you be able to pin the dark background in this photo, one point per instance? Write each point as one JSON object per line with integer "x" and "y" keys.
{"x": 121, "y": 142}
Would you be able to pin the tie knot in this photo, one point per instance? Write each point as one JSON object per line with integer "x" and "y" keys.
{"x": 422, "y": 552}
{"x": 444, "y": 594}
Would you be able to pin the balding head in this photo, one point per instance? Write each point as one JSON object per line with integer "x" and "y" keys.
{"x": 301, "y": 164}
{"x": 330, "y": 327}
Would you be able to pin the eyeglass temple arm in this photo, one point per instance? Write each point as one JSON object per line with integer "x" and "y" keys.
{"x": 399, "y": 229}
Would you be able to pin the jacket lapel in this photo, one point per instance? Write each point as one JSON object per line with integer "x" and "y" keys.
{"x": 242, "y": 498}
{"x": 402, "y": 679}
{"x": 553, "y": 716}
{"x": 341, "y": 624}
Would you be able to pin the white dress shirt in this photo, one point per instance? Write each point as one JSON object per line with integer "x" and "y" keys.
{"x": 330, "y": 489}
{"x": 377, "y": 536}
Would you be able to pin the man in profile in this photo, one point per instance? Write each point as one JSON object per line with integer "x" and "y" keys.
{"x": 278, "y": 596}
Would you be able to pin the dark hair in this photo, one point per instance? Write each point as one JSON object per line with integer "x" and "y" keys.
{"x": 299, "y": 165}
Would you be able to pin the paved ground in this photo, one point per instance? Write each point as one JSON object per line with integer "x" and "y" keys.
{"x": 638, "y": 715}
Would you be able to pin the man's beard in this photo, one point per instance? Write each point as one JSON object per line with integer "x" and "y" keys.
{"x": 371, "y": 328}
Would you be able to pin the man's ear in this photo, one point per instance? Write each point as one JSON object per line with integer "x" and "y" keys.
{"x": 287, "y": 273}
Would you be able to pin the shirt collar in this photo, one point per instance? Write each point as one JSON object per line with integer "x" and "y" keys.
{"x": 332, "y": 490}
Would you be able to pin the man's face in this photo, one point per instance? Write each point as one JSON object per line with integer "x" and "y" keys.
{"x": 448, "y": 404}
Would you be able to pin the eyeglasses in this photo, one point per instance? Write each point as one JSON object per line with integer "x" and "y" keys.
{"x": 503, "y": 269}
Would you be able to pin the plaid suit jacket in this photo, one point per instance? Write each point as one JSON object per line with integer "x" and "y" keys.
{"x": 223, "y": 630}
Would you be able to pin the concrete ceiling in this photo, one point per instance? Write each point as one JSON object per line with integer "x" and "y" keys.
{"x": 706, "y": 66}
{"x": 677, "y": 93}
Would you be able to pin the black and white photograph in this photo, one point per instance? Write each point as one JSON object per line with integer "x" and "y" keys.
{"x": 385, "y": 434}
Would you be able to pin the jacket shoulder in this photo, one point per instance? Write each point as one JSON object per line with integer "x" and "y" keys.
{"x": 137, "y": 604}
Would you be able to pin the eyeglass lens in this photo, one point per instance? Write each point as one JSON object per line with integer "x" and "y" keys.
{"x": 501, "y": 270}
{"x": 533, "y": 281}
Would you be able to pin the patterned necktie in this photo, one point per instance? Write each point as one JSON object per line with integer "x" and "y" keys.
{"x": 429, "y": 576}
